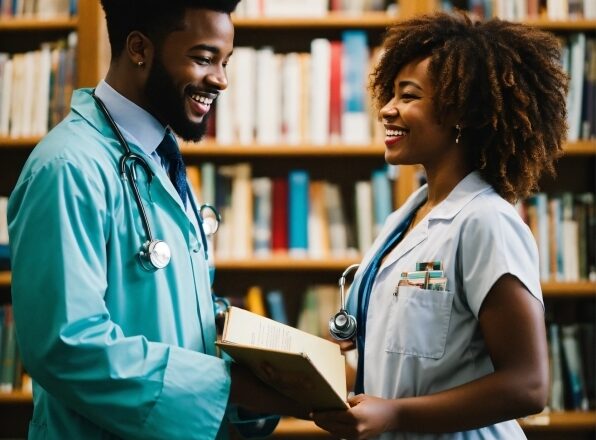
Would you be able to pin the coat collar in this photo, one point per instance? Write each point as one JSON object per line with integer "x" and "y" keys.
{"x": 464, "y": 192}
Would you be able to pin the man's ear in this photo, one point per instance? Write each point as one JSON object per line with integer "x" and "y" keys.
{"x": 139, "y": 49}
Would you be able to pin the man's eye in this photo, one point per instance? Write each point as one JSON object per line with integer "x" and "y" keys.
{"x": 202, "y": 60}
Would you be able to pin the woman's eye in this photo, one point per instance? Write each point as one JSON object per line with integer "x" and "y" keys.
{"x": 408, "y": 96}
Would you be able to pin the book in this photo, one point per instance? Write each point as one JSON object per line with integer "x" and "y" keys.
{"x": 253, "y": 340}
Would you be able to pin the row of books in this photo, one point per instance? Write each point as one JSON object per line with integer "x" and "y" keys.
{"x": 564, "y": 227}
{"x": 12, "y": 375}
{"x": 321, "y": 98}
{"x": 41, "y": 9}
{"x": 318, "y": 97}
{"x": 520, "y": 10}
{"x": 579, "y": 61}
{"x": 571, "y": 351}
{"x": 36, "y": 86}
{"x": 295, "y": 213}
{"x": 308, "y": 8}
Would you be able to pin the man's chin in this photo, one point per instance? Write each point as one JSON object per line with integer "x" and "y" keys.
{"x": 191, "y": 133}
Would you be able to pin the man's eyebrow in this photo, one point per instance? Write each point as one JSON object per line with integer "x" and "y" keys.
{"x": 209, "y": 48}
{"x": 206, "y": 47}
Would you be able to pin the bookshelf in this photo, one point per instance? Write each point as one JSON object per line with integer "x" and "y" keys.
{"x": 91, "y": 56}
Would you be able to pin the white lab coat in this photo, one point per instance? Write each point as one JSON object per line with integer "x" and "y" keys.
{"x": 420, "y": 342}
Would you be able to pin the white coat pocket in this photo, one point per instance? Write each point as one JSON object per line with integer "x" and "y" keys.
{"x": 419, "y": 322}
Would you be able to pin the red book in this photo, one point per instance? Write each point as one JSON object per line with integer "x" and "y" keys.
{"x": 335, "y": 101}
{"x": 279, "y": 215}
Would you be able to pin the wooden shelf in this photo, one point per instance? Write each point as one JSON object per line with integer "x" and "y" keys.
{"x": 38, "y": 24}
{"x": 15, "y": 397}
{"x": 368, "y": 20}
{"x": 285, "y": 262}
{"x": 561, "y": 421}
{"x": 211, "y": 149}
{"x": 581, "y": 148}
{"x": 563, "y": 25}
{"x": 568, "y": 289}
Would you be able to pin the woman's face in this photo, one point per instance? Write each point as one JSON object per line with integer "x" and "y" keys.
{"x": 413, "y": 134}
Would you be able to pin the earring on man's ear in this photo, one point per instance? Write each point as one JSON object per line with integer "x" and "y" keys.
{"x": 140, "y": 63}
{"x": 458, "y": 137}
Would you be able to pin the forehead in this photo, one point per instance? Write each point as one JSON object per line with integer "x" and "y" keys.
{"x": 414, "y": 70}
{"x": 203, "y": 27}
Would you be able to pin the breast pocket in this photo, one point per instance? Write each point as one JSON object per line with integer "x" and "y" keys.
{"x": 419, "y": 322}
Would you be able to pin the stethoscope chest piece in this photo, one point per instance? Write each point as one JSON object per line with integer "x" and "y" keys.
{"x": 155, "y": 255}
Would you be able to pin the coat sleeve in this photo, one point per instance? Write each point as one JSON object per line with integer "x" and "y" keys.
{"x": 125, "y": 384}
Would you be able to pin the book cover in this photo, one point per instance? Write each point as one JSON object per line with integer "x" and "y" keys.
{"x": 253, "y": 340}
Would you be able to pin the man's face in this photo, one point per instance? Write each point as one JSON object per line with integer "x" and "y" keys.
{"x": 188, "y": 72}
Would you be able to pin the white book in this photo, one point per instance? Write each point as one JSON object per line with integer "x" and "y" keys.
{"x": 338, "y": 233}
{"x": 295, "y": 8}
{"x": 31, "y": 67}
{"x": 41, "y": 94}
{"x": 3, "y": 220}
{"x": 5, "y": 93}
{"x": 364, "y": 215}
{"x": 16, "y": 108}
{"x": 557, "y": 9}
{"x": 320, "y": 50}
{"x": 262, "y": 190}
{"x": 268, "y": 93}
{"x": 242, "y": 212}
{"x": 318, "y": 231}
{"x": 291, "y": 98}
{"x": 224, "y": 114}
{"x": 244, "y": 95}
{"x": 590, "y": 9}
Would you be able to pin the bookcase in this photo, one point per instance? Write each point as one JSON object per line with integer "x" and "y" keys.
{"x": 337, "y": 162}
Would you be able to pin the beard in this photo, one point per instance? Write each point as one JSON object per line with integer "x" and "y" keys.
{"x": 169, "y": 107}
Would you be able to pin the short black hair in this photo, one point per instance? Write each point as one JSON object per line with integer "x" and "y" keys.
{"x": 154, "y": 18}
{"x": 504, "y": 84}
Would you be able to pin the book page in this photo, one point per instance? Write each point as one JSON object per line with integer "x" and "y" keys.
{"x": 245, "y": 328}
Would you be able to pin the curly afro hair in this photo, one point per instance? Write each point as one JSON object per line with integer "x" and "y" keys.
{"x": 503, "y": 83}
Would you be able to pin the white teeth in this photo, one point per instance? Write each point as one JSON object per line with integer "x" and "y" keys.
{"x": 202, "y": 99}
{"x": 391, "y": 133}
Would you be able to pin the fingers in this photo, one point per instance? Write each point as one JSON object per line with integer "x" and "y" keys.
{"x": 355, "y": 400}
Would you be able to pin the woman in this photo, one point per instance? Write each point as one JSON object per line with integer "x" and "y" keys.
{"x": 460, "y": 352}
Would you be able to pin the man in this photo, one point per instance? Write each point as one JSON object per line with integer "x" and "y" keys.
{"x": 118, "y": 334}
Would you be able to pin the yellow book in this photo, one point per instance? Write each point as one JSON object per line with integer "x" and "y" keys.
{"x": 252, "y": 340}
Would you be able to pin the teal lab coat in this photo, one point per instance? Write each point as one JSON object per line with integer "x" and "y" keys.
{"x": 114, "y": 350}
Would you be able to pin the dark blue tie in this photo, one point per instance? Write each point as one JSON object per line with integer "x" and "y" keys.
{"x": 169, "y": 151}
{"x": 364, "y": 291}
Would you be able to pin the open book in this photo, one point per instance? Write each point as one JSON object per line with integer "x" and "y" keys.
{"x": 252, "y": 340}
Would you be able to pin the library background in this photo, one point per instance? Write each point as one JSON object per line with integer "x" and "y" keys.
{"x": 299, "y": 175}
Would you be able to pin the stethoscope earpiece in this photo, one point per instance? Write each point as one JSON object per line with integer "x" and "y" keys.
{"x": 342, "y": 325}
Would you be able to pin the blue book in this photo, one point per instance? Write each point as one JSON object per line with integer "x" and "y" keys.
{"x": 298, "y": 201}
{"x": 382, "y": 206}
{"x": 276, "y": 306}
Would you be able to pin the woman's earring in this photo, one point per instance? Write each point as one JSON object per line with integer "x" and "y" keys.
{"x": 140, "y": 63}
{"x": 458, "y": 137}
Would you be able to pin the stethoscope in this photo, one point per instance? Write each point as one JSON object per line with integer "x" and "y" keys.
{"x": 342, "y": 325}
{"x": 156, "y": 254}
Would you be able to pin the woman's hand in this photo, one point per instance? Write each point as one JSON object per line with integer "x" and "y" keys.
{"x": 368, "y": 417}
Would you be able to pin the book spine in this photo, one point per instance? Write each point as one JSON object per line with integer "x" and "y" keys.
{"x": 298, "y": 200}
